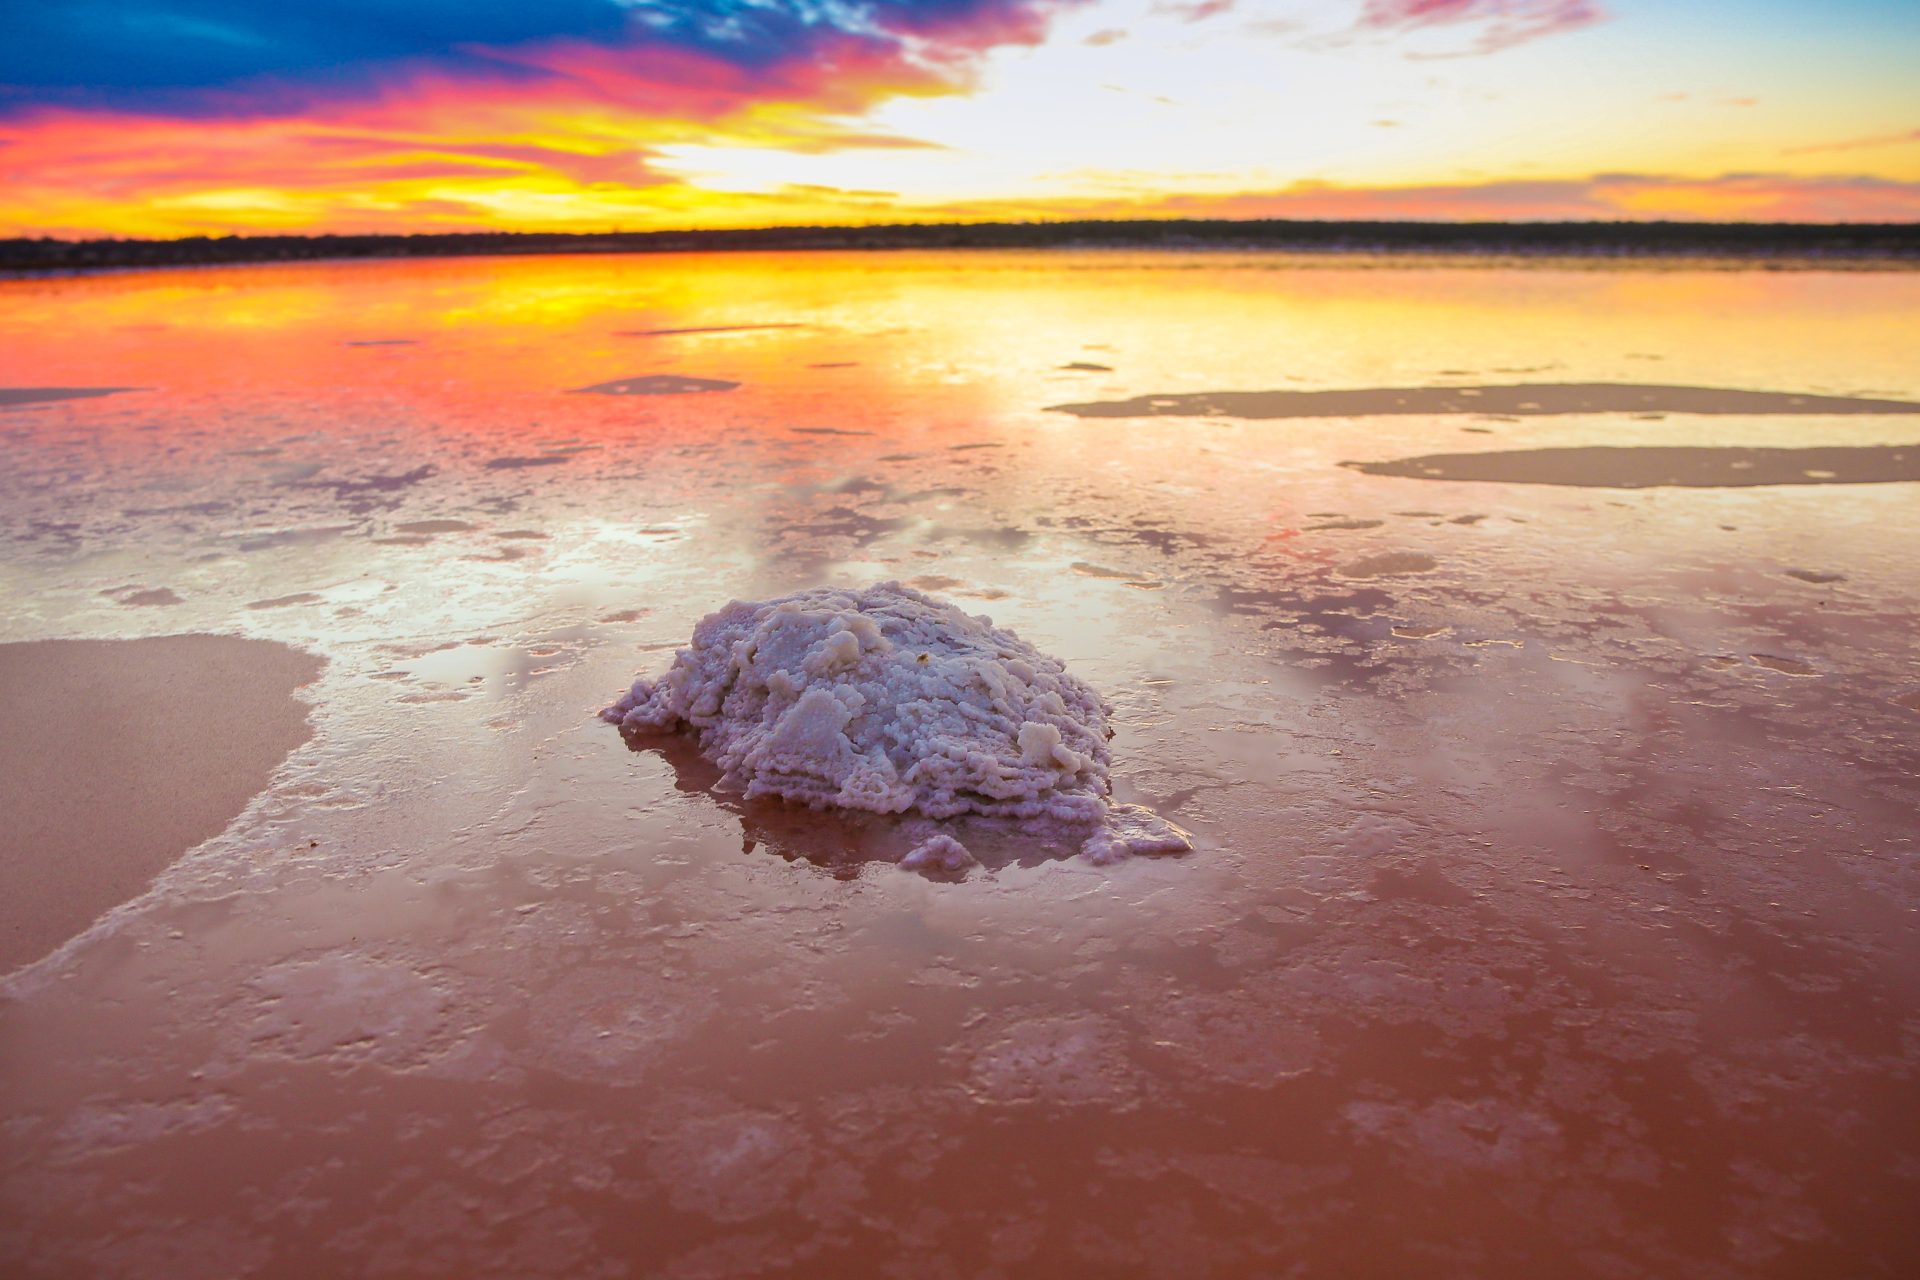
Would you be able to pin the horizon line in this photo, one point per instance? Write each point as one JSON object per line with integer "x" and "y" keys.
{"x": 1690, "y": 225}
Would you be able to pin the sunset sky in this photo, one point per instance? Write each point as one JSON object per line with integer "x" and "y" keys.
{"x": 181, "y": 117}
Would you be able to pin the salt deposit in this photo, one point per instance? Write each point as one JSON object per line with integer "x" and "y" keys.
{"x": 890, "y": 701}
{"x": 938, "y": 852}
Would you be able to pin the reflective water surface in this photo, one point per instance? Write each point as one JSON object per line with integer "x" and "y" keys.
{"x": 1557, "y": 909}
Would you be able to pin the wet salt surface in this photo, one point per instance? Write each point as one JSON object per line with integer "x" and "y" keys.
{"x": 1555, "y": 904}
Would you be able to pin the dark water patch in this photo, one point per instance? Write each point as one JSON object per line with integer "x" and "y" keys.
{"x": 1689, "y": 468}
{"x": 656, "y": 384}
{"x": 1389, "y": 564}
{"x": 1527, "y": 399}
{"x": 282, "y": 602}
{"x": 846, "y": 522}
{"x": 996, "y": 537}
{"x": 149, "y": 597}
{"x": 384, "y": 342}
{"x": 935, "y": 582}
{"x": 1334, "y": 637}
{"x": 266, "y": 539}
{"x": 518, "y": 463}
{"x": 213, "y": 508}
{"x": 40, "y": 395}
{"x": 370, "y": 492}
{"x": 433, "y": 526}
{"x": 1086, "y": 366}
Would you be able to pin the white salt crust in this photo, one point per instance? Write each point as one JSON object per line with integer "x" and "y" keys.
{"x": 890, "y": 701}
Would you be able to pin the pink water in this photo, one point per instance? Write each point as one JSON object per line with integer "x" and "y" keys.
{"x": 1557, "y": 909}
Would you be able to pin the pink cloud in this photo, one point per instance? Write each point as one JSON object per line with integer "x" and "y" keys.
{"x": 1618, "y": 197}
{"x": 1193, "y": 10}
{"x": 1502, "y": 23}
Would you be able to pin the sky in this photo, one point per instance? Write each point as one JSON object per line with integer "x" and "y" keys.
{"x": 186, "y": 117}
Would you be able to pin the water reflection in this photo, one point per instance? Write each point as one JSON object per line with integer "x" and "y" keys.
{"x": 845, "y": 843}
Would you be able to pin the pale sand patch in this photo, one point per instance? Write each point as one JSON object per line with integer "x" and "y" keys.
{"x": 1526, "y": 398}
{"x": 121, "y": 755}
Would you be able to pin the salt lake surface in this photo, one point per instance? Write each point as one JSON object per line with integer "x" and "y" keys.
{"x": 1556, "y": 908}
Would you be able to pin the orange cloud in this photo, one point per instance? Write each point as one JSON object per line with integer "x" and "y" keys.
{"x": 554, "y": 133}
{"x": 572, "y": 150}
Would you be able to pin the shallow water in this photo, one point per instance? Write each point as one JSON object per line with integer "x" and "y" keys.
{"x": 1557, "y": 909}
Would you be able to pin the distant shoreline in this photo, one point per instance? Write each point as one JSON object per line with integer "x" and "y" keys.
{"x": 1854, "y": 245}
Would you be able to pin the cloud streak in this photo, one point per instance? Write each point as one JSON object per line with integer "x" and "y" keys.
{"x": 1499, "y": 24}
{"x": 1873, "y": 143}
{"x": 1601, "y": 197}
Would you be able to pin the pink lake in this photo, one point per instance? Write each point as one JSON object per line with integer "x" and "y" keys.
{"x": 1556, "y": 904}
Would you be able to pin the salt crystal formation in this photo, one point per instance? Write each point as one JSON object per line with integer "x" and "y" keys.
{"x": 890, "y": 701}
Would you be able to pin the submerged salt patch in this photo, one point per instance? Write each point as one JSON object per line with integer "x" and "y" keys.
{"x": 890, "y": 701}
{"x": 938, "y": 852}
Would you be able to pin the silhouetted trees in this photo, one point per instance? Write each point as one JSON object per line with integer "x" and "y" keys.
{"x": 1838, "y": 241}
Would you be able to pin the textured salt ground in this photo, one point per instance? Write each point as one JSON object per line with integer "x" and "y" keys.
{"x": 119, "y": 756}
{"x": 1529, "y": 399}
{"x": 1608, "y": 468}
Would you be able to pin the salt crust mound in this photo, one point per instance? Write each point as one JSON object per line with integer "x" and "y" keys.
{"x": 890, "y": 701}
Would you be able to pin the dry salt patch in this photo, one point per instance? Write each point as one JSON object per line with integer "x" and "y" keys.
{"x": 889, "y": 701}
